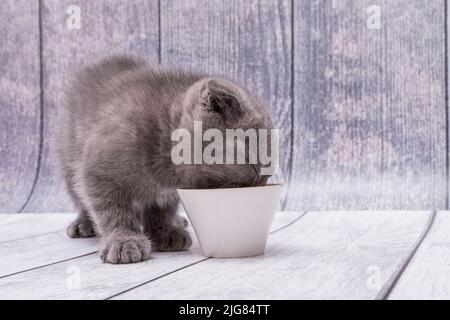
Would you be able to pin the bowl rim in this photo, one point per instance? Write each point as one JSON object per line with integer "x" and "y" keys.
{"x": 243, "y": 188}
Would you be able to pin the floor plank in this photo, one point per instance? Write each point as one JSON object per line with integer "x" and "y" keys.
{"x": 21, "y": 226}
{"x": 88, "y": 278}
{"x": 324, "y": 255}
{"x": 428, "y": 274}
{"x": 34, "y": 252}
{"x": 96, "y": 280}
{"x": 8, "y": 218}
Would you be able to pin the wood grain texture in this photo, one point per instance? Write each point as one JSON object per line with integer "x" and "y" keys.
{"x": 369, "y": 115}
{"x": 19, "y": 101}
{"x": 326, "y": 255}
{"x": 107, "y": 27}
{"x": 28, "y": 253}
{"x": 97, "y": 280}
{"x": 428, "y": 274}
{"x": 369, "y": 119}
{"x": 31, "y": 225}
{"x": 245, "y": 41}
{"x": 9, "y": 218}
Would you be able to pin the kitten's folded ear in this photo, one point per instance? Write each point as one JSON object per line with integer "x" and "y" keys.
{"x": 218, "y": 96}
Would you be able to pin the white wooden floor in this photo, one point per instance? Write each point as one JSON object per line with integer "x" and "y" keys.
{"x": 313, "y": 255}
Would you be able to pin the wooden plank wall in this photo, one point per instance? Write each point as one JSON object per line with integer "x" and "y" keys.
{"x": 107, "y": 27}
{"x": 19, "y": 102}
{"x": 247, "y": 41}
{"x": 361, "y": 106}
{"x": 369, "y": 111}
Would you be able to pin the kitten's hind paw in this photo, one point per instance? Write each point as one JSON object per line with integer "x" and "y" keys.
{"x": 176, "y": 239}
{"x": 185, "y": 222}
{"x": 126, "y": 249}
{"x": 81, "y": 229}
{"x": 181, "y": 222}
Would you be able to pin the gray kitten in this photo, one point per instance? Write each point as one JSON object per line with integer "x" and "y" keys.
{"x": 114, "y": 147}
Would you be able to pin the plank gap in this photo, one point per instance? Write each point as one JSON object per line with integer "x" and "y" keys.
{"x": 36, "y": 235}
{"x": 159, "y": 32}
{"x": 154, "y": 279}
{"x": 447, "y": 159}
{"x": 48, "y": 264}
{"x": 301, "y": 214}
{"x": 292, "y": 94}
{"x": 384, "y": 293}
{"x": 328, "y": 255}
{"x": 41, "y": 111}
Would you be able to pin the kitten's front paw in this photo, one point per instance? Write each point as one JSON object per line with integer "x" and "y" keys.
{"x": 172, "y": 240}
{"x": 81, "y": 229}
{"x": 126, "y": 249}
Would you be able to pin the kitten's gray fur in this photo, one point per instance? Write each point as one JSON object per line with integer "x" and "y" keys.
{"x": 114, "y": 147}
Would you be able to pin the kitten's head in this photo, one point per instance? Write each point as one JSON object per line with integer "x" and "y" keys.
{"x": 220, "y": 104}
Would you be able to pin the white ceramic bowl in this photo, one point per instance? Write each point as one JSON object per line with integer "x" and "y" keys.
{"x": 232, "y": 223}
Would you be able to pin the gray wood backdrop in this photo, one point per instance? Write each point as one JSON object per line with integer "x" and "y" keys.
{"x": 362, "y": 107}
